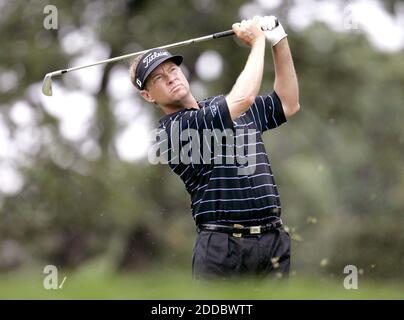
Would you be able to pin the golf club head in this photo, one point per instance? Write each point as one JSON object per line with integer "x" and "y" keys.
{"x": 47, "y": 85}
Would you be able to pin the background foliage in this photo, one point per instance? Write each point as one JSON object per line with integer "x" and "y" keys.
{"x": 338, "y": 162}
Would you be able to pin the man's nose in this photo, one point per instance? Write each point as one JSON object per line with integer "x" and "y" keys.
{"x": 170, "y": 77}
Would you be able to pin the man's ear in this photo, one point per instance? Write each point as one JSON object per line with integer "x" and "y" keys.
{"x": 146, "y": 95}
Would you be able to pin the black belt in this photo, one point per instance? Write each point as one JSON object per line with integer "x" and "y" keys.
{"x": 238, "y": 230}
{"x": 222, "y": 216}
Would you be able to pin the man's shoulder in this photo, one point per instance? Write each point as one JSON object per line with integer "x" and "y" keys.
{"x": 168, "y": 118}
{"x": 207, "y": 101}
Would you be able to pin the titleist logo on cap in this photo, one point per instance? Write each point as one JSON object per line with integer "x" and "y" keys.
{"x": 153, "y": 56}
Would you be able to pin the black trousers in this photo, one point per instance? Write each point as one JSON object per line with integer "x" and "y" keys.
{"x": 218, "y": 255}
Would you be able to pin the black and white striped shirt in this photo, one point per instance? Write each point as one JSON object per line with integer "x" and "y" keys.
{"x": 237, "y": 184}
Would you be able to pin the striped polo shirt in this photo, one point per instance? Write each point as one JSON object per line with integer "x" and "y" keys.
{"x": 223, "y": 163}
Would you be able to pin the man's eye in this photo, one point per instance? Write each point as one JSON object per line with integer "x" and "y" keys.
{"x": 173, "y": 69}
{"x": 157, "y": 78}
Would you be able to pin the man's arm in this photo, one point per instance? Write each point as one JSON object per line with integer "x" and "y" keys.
{"x": 247, "y": 86}
{"x": 286, "y": 85}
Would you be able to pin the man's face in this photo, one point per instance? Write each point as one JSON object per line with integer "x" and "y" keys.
{"x": 166, "y": 85}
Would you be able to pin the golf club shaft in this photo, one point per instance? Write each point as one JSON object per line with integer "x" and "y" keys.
{"x": 216, "y": 35}
{"x": 173, "y": 45}
{"x": 47, "y": 83}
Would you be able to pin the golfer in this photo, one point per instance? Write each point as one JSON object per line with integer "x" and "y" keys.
{"x": 234, "y": 197}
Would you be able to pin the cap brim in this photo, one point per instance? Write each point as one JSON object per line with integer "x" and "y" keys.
{"x": 177, "y": 59}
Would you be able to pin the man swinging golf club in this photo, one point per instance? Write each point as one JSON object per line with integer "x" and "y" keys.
{"x": 237, "y": 215}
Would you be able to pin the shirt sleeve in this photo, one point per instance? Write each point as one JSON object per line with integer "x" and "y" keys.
{"x": 267, "y": 112}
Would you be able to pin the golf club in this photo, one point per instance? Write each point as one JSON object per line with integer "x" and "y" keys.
{"x": 47, "y": 82}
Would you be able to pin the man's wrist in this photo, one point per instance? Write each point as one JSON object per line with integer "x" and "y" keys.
{"x": 275, "y": 35}
{"x": 258, "y": 41}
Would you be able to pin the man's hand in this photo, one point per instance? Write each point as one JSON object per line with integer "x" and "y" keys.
{"x": 273, "y": 33}
{"x": 249, "y": 31}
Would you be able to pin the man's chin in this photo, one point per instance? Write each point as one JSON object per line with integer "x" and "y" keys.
{"x": 179, "y": 93}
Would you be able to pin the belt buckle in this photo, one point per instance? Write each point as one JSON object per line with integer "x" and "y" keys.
{"x": 255, "y": 230}
{"x": 238, "y": 226}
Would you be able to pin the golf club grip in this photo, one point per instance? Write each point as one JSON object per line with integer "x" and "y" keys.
{"x": 231, "y": 32}
{"x": 223, "y": 34}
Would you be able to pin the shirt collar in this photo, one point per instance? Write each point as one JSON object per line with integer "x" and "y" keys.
{"x": 167, "y": 117}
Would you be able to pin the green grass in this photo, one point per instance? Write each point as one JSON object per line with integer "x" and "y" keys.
{"x": 178, "y": 285}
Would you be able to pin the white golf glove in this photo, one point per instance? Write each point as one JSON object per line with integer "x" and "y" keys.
{"x": 273, "y": 33}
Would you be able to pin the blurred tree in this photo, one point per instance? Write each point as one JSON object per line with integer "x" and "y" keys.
{"x": 338, "y": 162}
